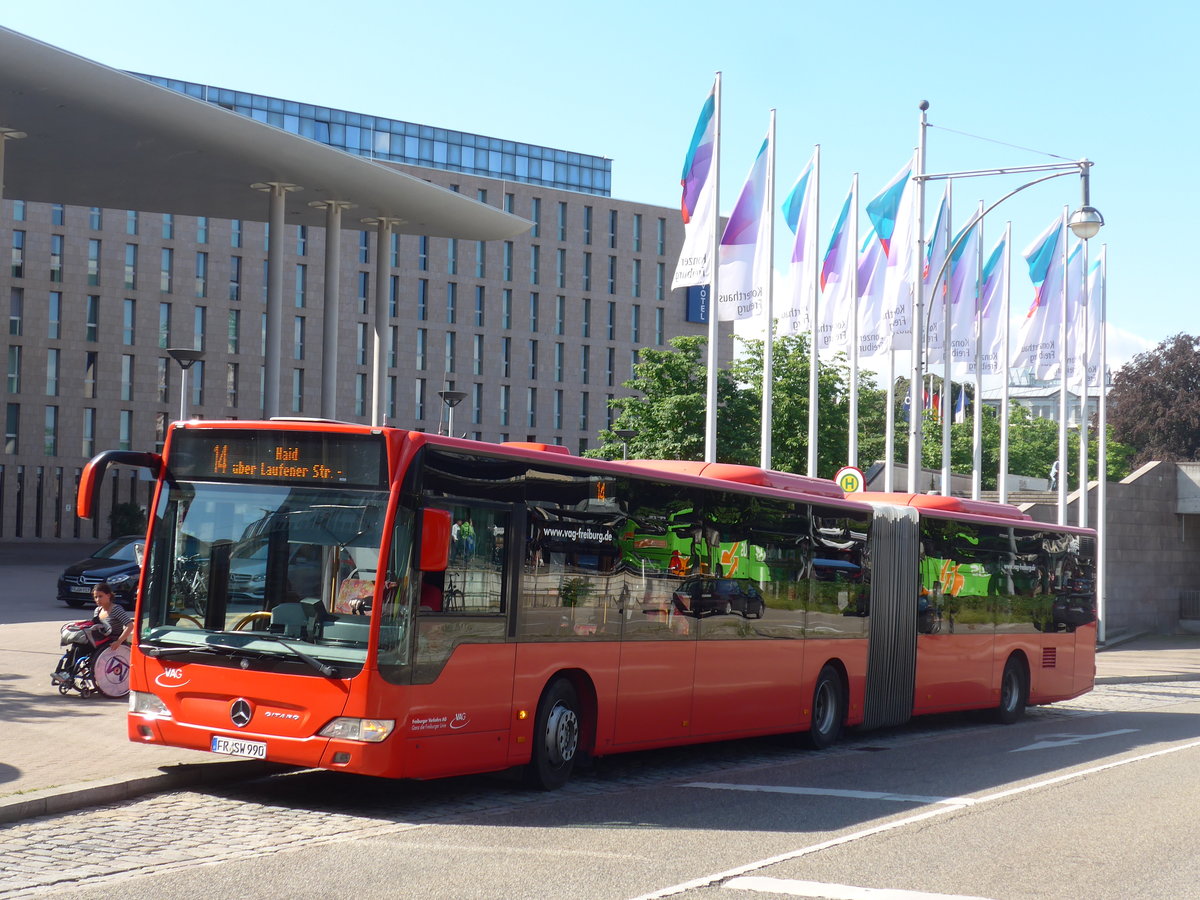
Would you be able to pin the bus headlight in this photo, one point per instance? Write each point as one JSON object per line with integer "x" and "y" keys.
{"x": 143, "y": 704}
{"x": 371, "y": 731}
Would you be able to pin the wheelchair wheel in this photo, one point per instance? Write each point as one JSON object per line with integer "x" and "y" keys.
{"x": 110, "y": 671}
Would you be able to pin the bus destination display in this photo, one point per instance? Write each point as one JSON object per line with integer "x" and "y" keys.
{"x": 313, "y": 458}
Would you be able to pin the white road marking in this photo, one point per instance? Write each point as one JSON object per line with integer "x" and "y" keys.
{"x": 824, "y": 891}
{"x": 707, "y": 880}
{"x": 830, "y": 792}
{"x": 1066, "y": 740}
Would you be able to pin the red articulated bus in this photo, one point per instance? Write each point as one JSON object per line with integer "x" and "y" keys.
{"x": 399, "y": 604}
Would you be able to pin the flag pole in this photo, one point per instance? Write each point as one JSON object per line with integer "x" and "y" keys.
{"x": 710, "y": 412}
{"x": 1102, "y": 452}
{"x": 812, "y": 251}
{"x": 1004, "y": 323}
{"x": 947, "y": 406}
{"x": 1062, "y": 379}
{"x": 977, "y": 409}
{"x": 852, "y": 447}
{"x": 916, "y": 412}
{"x": 768, "y": 383}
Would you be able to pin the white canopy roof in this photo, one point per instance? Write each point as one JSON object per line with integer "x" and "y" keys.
{"x": 100, "y": 137}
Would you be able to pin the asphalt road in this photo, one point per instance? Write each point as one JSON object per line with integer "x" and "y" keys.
{"x": 1096, "y": 798}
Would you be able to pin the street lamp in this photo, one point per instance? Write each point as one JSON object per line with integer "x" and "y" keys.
{"x": 625, "y": 435}
{"x": 1084, "y": 223}
{"x": 186, "y": 358}
{"x": 451, "y": 399}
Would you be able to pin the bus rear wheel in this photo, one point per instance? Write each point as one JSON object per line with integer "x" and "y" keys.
{"x": 1014, "y": 692}
{"x": 828, "y": 709}
{"x": 555, "y": 737}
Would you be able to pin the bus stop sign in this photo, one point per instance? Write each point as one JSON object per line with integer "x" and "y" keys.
{"x": 850, "y": 479}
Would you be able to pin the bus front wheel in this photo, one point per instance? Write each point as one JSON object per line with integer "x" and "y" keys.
{"x": 828, "y": 709}
{"x": 555, "y": 737}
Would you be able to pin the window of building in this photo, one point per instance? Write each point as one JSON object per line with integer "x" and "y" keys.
{"x": 93, "y": 264}
{"x": 533, "y": 360}
{"x": 451, "y": 303}
{"x": 301, "y": 285}
{"x": 531, "y": 407}
{"x": 587, "y": 224}
{"x": 235, "y": 278}
{"x": 587, "y": 271}
{"x": 587, "y": 317}
{"x": 298, "y": 337}
{"x": 168, "y": 227}
{"x": 236, "y": 238}
{"x": 585, "y": 363}
{"x": 16, "y": 311}
{"x": 95, "y": 218}
{"x": 91, "y": 331}
{"x": 231, "y": 384}
{"x": 56, "y": 257}
{"x": 422, "y": 355}
{"x": 451, "y": 341}
{"x": 297, "y": 390}
{"x": 89, "y": 374}
{"x": 127, "y": 377}
{"x": 125, "y": 429}
{"x": 54, "y": 315}
{"x": 131, "y": 221}
{"x": 164, "y": 325}
{"x": 88, "y": 446}
{"x": 201, "y": 274}
{"x": 423, "y": 300}
{"x": 506, "y": 308}
{"x": 508, "y": 261}
{"x": 479, "y": 305}
{"x": 164, "y": 380}
{"x": 533, "y": 312}
{"x": 128, "y": 321}
{"x": 12, "y": 428}
{"x": 166, "y": 269}
{"x": 52, "y": 371}
{"x": 14, "y": 368}
{"x": 18, "y": 254}
{"x": 131, "y": 256}
{"x": 452, "y": 256}
{"x": 535, "y": 216}
{"x": 562, "y": 220}
{"x": 202, "y": 229}
{"x": 200, "y": 328}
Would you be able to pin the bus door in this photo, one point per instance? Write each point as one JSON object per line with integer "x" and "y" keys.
{"x": 459, "y": 722}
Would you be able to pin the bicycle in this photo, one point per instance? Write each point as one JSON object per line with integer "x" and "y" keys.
{"x": 452, "y": 597}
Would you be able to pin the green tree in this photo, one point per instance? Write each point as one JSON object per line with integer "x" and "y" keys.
{"x": 1154, "y": 404}
{"x": 667, "y": 410}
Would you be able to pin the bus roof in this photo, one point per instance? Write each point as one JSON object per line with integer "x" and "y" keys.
{"x": 782, "y": 481}
{"x": 944, "y": 504}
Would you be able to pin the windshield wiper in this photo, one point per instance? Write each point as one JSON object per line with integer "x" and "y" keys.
{"x": 156, "y": 652}
{"x": 324, "y": 668}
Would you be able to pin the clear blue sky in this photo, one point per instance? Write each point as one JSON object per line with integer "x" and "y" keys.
{"x": 1110, "y": 81}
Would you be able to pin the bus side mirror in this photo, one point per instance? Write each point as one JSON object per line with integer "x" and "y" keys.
{"x": 87, "y": 500}
{"x": 435, "y": 540}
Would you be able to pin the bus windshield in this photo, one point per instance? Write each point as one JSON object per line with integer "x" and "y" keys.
{"x": 262, "y": 571}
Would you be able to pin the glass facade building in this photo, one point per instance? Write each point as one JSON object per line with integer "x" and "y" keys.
{"x": 392, "y": 140}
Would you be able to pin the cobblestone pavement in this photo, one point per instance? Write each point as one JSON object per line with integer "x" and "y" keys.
{"x": 180, "y": 830}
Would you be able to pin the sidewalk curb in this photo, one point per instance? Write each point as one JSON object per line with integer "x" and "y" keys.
{"x": 53, "y": 801}
{"x": 1147, "y": 679}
